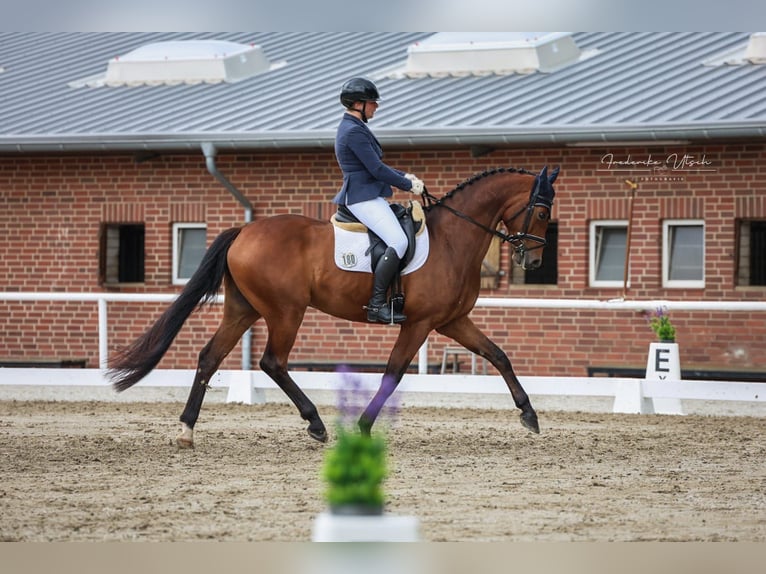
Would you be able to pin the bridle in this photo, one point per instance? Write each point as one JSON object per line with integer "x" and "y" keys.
{"x": 516, "y": 240}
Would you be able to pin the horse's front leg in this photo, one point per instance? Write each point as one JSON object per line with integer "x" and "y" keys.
{"x": 411, "y": 337}
{"x": 465, "y": 332}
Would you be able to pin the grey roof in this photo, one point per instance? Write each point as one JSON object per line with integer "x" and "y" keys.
{"x": 635, "y": 86}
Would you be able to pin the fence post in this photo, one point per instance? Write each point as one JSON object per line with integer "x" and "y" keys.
{"x": 629, "y": 398}
{"x": 103, "y": 338}
{"x": 242, "y": 389}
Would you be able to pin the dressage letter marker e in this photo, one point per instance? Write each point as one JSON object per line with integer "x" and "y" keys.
{"x": 663, "y": 364}
{"x": 661, "y": 360}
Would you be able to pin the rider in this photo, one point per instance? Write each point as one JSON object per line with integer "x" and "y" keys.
{"x": 367, "y": 182}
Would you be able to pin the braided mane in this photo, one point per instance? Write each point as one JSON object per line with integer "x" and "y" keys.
{"x": 486, "y": 173}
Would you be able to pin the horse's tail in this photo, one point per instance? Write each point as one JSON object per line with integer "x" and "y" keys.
{"x": 130, "y": 365}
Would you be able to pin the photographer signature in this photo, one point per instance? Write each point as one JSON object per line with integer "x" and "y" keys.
{"x": 673, "y": 161}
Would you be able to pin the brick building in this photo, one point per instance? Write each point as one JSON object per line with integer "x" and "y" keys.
{"x": 105, "y": 185}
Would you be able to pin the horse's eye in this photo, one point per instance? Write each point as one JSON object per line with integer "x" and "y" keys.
{"x": 542, "y": 215}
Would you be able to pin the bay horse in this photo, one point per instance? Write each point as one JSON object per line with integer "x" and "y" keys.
{"x": 276, "y": 267}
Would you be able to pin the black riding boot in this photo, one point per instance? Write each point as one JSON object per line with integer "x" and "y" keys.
{"x": 379, "y": 309}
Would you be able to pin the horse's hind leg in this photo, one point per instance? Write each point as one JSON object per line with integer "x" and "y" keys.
{"x": 238, "y": 316}
{"x": 282, "y": 333}
{"x": 465, "y": 332}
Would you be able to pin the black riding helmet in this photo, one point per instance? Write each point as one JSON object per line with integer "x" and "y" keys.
{"x": 358, "y": 90}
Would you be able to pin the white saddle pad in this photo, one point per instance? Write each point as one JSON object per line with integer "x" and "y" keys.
{"x": 350, "y": 247}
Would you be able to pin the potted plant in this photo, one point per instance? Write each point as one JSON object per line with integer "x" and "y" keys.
{"x": 660, "y": 323}
{"x": 354, "y": 470}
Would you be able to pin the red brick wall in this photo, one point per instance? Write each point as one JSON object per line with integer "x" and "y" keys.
{"x": 51, "y": 209}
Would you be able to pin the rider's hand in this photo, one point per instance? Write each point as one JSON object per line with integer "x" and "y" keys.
{"x": 417, "y": 185}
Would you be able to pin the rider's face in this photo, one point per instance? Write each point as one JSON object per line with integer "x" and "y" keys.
{"x": 368, "y": 108}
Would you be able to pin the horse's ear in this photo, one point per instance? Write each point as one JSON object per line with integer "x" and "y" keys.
{"x": 544, "y": 173}
{"x": 554, "y": 175}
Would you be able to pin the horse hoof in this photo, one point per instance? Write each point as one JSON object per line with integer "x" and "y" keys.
{"x": 529, "y": 421}
{"x": 318, "y": 434}
{"x": 182, "y": 442}
{"x": 365, "y": 426}
{"x": 186, "y": 438}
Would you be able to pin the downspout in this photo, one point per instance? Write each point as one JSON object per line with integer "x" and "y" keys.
{"x": 210, "y": 152}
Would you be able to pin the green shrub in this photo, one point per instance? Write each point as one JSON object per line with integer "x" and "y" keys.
{"x": 354, "y": 470}
{"x": 660, "y": 323}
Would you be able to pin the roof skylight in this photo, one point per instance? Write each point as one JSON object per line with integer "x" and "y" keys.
{"x": 753, "y": 52}
{"x": 481, "y": 53}
{"x": 183, "y": 62}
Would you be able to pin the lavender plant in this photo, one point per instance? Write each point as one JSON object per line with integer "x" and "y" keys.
{"x": 660, "y": 323}
{"x": 356, "y": 465}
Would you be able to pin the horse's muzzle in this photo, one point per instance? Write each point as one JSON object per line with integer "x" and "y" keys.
{"x": 528, "y": 260}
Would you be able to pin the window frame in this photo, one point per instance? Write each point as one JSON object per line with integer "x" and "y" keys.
{"x": 592, "y": 252}
{"x": 747, "y": 253}
{"x": 680, "y": 283}
{"x": 178, "y": 228}
{"x": 111, "y": 255}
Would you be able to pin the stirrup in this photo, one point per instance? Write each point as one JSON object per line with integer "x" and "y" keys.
{"x": 373, "y": 315}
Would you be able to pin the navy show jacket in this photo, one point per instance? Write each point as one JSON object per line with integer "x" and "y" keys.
{"x": 360, "y": 157}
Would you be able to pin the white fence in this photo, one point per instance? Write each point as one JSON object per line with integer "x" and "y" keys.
{"x": 630, "y": 394}
{"x": 101, "y": 299}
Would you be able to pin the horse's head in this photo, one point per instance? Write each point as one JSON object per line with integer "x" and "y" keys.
{"x": 529, "y": 225}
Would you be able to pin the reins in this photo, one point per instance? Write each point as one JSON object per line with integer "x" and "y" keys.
{"x": 516, "y": 240}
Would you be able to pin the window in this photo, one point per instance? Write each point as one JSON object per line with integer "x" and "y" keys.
{"x": 683, "y": 253}
{"x": 548, "y": 273}
{"x": 189, "y": 244}
{"x": 608, "y": 241}
{"x": 122, "y": 253}
{"x": 751, "y": 259}
{"x": 490, "y": 266}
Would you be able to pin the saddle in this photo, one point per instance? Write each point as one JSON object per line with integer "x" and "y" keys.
{"x": 411, "y": 218}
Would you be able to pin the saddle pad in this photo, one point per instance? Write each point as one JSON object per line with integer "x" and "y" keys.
{"x": 417, "y": 215}
{"x": 350, "y": 247}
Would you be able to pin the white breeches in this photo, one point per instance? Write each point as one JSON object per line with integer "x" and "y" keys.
{"x": 376, "y": 214}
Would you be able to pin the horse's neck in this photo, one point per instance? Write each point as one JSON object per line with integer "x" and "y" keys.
{"x": 483, "y": 205}
{"x": 469, "y": 233}
{"x": 483, "y": 208}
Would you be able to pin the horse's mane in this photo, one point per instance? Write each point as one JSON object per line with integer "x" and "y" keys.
{"x": 486, "y": 173}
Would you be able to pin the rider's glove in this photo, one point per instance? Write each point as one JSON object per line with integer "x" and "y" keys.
{"x": 417, "y": 185}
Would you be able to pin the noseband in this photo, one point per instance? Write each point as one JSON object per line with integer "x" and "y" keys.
{"x": 517, "y": 239}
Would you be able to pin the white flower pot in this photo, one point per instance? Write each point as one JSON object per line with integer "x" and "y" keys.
{"x": 330, "y": 527}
